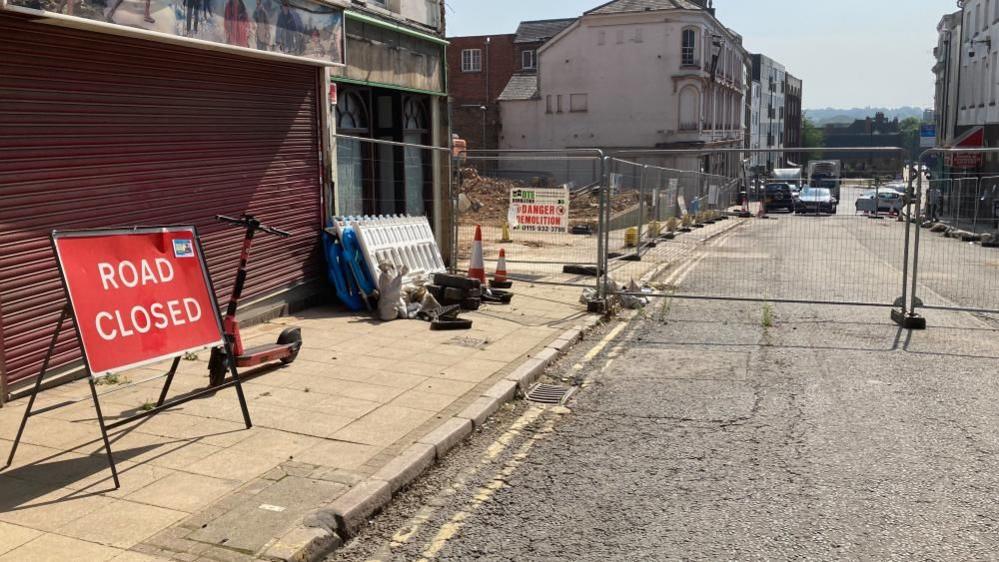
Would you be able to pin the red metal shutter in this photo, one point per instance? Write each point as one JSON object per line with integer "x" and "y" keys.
{"x": 100, "y": 131}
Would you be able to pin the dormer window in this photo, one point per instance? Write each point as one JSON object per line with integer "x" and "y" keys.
{"x": 529, "y": 60}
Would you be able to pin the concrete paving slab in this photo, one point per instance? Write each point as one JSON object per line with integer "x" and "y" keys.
{"x": 13, "y": 536}
{"x": 182, "y": 491}
{"x": 57, "y": 547}
{"x": 121, "y": 523}
{"x": 384, "y": 426}
{"x": 338, "y": 454}
{"x": 260, "y": 518}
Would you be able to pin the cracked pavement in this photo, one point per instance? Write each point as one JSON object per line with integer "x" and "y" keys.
{"x": 703, "y": 434}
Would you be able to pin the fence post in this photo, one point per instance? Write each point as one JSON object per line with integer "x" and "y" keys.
{"x": 912, "y": 320}
{"x": 641, "y": 210}
{"x": 602, "y": 228}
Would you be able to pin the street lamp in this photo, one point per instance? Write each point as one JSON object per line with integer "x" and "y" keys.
{"x": 483, "y": 109}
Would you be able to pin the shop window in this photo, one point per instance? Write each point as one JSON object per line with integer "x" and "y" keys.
{"x": 352, "y": 120}
{"x": 416, "y": 131}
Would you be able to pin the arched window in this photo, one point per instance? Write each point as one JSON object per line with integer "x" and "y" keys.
{"x": 690, "y": 109}
{"x": 689, "y": 48}
{"x": 415, "y": 115}
{"x": 351, "y": 113}
{"x": 416, "y": 129}
{"x": 351, "y": 119}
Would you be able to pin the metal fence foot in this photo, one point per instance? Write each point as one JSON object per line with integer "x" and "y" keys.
{"x": 597, "y": 307}
{"x": 911, "y": 321}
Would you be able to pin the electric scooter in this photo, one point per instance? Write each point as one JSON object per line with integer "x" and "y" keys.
{"x": 289, "y": 343}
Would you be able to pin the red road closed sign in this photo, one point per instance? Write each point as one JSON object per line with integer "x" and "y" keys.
{"x": 138, "y": 296}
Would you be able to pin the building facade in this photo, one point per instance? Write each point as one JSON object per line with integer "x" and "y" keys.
{"x": 478, "y": 69}
{"x": 633, "y": 74}
{"x": 170, "y": 112}
{"x": 793, "y": 116}
{"x": 481, "y": 67}
{"x": 946, "y": 74}
{"x": 876, "y": 131}
{"x": 770, "y": 134}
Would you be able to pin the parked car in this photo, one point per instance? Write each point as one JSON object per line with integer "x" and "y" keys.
{"x": 815, "y": 200}
{"x": 886, "y": 201}
{"x": 778, "y": 196}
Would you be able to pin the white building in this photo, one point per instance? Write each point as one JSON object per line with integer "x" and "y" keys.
{"x": 634, "y": 74}
{"x": 947, "y": 54}
{"x": 769, "y": 130}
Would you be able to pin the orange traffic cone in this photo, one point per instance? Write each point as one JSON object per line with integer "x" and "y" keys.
{"x": 499, "y": 280}
{"x": 476, "y": 268}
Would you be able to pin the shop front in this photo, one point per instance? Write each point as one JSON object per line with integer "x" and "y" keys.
{"x": 115, "y": 113}
{"x": 390, "y": 115}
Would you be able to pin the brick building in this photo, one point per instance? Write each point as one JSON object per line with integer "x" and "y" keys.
{"x": 481, "y": 67}
{"x": 478, "y": 69}
{"x": 793, "y": 124}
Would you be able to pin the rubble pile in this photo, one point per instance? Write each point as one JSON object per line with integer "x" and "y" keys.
{"x": 489, "y": 200}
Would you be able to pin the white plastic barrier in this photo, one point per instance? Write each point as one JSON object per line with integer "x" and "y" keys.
{"x": 402, "y": 241}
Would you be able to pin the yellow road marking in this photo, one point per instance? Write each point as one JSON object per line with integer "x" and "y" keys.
{"x": 592, "y": 353}
{"x": 484, "y": 494}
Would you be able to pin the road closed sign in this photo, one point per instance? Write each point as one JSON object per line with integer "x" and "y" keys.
{"x": 539, "y": 210}
{"x": 138, "y": 296}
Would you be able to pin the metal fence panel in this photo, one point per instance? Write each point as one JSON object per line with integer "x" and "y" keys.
{"x": 850, "y": 251}
{"x": 956, "y": 263}
{"x": 544, "y": 208}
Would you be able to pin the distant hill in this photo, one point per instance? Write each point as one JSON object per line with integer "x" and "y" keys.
{"x": 833, "y": 115}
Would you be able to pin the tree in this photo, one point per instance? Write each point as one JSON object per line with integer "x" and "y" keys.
{"x": 812, "y": 136}
{"x": 909, "y": 128}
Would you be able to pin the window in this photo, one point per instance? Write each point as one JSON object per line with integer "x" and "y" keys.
{"x": 548, "y": 104}
{"x": 529, "y": 60}
{"x": 690, "y": 109}
{"x": 471, "y": 60}
{"x": 601, "y": 38}
{"x": 688, "y": 51}
{"x": 620, "y": 36}
{"x": 992, "y": 83}
{"x": 578, "y": 103}
{"x": 638, "y": 35}
{"x": 558, "y": 103}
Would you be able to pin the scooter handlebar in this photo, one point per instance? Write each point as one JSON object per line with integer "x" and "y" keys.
{"x": 248, "y": 221}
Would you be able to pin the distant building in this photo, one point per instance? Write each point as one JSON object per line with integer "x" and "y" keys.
{"x": 481, "y": 67}
{"x": 929, "y": 116}
{"x": 793, "y": 118}
{"x": 633, "y": 74}
{"x": 874, "y": 131}
{"x": 478, "y": 70}
{"x": 948, "y": 56}
{"x": 770, "y": 133}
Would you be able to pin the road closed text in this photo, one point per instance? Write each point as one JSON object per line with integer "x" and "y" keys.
{"x": 118, "y": 323}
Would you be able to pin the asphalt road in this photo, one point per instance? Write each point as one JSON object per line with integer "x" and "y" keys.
{"x": 716, "y": 430}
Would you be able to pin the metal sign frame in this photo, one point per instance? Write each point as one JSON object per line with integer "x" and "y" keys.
{"x": 162, "y": 404}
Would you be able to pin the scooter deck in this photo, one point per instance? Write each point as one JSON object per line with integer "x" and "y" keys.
{"x": 266, "y": 353}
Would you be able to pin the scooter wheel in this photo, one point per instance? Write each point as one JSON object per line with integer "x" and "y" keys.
{"x": 218, "y": 367}
{"x": 291, "y": 336}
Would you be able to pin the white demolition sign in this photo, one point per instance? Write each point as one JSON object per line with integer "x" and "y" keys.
{"x": 539, "y": 210}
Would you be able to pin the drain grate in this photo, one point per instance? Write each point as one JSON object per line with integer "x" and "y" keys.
{"x": 550, "y": 394}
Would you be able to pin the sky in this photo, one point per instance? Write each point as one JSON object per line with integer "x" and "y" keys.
{"x": 849, "y": 53}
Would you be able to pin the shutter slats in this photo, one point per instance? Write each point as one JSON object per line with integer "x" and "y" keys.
{"x": 105, "y": 131}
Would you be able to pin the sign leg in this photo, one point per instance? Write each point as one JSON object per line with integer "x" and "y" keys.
{"x": 104, "y": 434}
{"x": 169, "y": 381}
{"x": 239, "y": 387}
{"x": 38, "y": 387}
